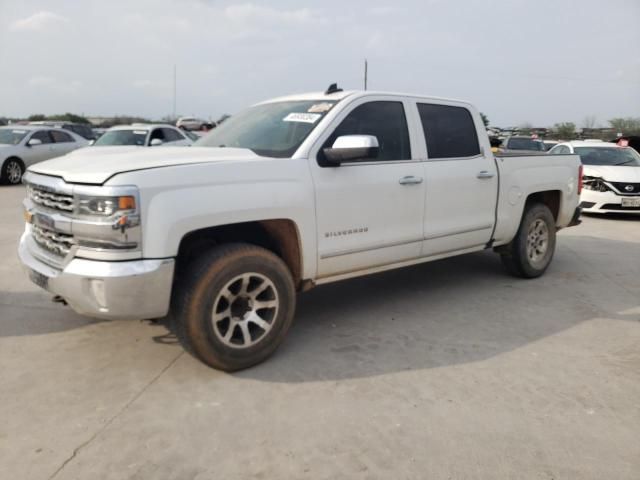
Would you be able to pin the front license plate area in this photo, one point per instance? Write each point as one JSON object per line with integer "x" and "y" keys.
{"x": 39, "y": 279}
{"x": 631, "y": 202}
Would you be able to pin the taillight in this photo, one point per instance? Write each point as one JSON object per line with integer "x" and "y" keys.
{"x": 580, "y": 179}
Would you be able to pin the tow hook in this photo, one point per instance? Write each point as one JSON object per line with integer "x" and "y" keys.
{"x": 58, "y": 299}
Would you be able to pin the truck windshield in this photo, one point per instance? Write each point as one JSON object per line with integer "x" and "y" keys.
{"x": 122, "y": 137}
{"x": 271, "y": 129}
{"x": 608, "y": 156}
{"x": 10, "y": 136}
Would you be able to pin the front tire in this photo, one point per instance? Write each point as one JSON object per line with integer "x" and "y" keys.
{"x": 531, "y": 251}
{"x": 12, "y": 171}
{"x": 235, "y": 306}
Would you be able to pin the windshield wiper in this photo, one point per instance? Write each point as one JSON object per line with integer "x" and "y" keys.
{"x": 623, "y": 163}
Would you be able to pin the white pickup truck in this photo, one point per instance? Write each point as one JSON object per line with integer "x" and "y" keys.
{"x": 291, "y": 193}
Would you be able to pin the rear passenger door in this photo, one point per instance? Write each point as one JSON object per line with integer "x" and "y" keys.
{"x": 461, "y": 180}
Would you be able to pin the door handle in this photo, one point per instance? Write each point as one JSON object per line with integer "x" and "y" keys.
{"x": 410, "y": 180}
{"x": 485, "y": 174}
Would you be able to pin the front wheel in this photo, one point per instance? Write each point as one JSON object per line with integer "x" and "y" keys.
{"x": 235, "y": 306}
{"x": 12, "y": 171}
{"x": 530, "y": 252}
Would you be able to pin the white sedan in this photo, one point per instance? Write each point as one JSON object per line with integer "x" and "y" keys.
{"x": 24, "y": 145}
{"x": 144, "y": 135}
{"x": 611, "y": 176}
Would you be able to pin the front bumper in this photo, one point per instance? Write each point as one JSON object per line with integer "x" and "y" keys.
{"x": 110, "y": 290}
{"x": 604, "y": 202}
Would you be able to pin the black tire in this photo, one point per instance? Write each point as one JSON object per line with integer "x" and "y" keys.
{"x": 8, "y": 174}
{"x": 208, "y": 284}
{"x": 524, "y": 256}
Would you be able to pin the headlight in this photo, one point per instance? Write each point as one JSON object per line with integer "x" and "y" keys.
{"x": 105, "y": 206}
{"x": 595, "y": 183}
{"x": 107, "y": 218}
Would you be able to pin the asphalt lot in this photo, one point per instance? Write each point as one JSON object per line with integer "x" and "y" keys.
{"x": 445, "y": 370}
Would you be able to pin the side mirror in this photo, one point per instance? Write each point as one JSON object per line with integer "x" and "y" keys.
{"x": 91, "y": 142}
{"x": 155, "y": 142}
{"x": 352, "y": 148}
{"x": 34, "y": 141}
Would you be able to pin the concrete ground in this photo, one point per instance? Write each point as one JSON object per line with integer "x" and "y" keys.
{"x": 448, "y": 370}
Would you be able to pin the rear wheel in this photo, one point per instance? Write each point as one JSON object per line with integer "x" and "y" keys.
{"x": 12, "y": 171}
{"x": 530, "y": 252}
{"x": 235, "y": 306}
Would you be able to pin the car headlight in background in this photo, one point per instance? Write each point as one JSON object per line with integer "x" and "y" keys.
{"x": 595, "y": 183}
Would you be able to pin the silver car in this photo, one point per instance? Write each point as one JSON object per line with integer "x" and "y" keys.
{"x": 24, "y": 145}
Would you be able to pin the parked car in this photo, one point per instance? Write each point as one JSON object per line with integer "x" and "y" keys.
{"x": 143, "y": 135}
{"x": 192, "y": 123}
{"x": 549, "y": 144}
{"x": 293, "y": 192}
{"x": 82, "y": 129}
{"x": 25, "y": 145}
{"x": 98, "y": 132}
{"x": 520, "y": 144}
{"x": 611, "y": 176}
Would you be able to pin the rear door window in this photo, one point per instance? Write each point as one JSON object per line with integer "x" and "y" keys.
{"x": 61, "y": 137}
{"x": 449, "y": 131}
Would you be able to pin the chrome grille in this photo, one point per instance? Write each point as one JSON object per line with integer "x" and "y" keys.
{"x": 52, "y": 241}
{"x": 57, "y": 201}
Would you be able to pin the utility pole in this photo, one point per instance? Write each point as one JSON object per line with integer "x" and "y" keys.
{"x": 174, "y": 91}
{"x": 365, "y": 73}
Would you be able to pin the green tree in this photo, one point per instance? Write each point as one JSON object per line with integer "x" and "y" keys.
{"x": 626, "y": 126}
{"x": 38, "y": 117}
{"x": 485, "y": 119}
{"x": 565, "y": 130}
{"x": 69, "y": 117}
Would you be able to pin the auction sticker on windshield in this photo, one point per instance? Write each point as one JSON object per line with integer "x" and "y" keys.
{"x": 302, "y": 117}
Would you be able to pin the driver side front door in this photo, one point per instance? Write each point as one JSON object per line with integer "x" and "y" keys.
{"x": 370, "y": 212}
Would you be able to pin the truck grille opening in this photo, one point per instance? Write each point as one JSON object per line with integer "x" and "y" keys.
{"x": 52, "y": 241}
{"x": 56, "y": 201}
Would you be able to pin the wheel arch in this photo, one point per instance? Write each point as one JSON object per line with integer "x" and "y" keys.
{"x": 280, "y": 236}
{"x": 550, "y": 198}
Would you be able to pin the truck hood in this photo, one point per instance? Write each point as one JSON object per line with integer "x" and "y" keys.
{"x": 95, "y": 169}
{"x": 611, "y": 173}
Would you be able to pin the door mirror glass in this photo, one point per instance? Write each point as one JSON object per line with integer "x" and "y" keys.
{"x": 34, "y": 141}
{"x": 155, "y": 142}
{"x": 91, "y": 142}
{"x": 349, "y": 148}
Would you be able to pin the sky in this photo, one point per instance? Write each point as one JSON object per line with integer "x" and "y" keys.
{"x": 537, "y": 62}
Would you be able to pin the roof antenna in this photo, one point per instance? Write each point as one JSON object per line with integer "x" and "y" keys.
{"x": 333, "y": 88}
